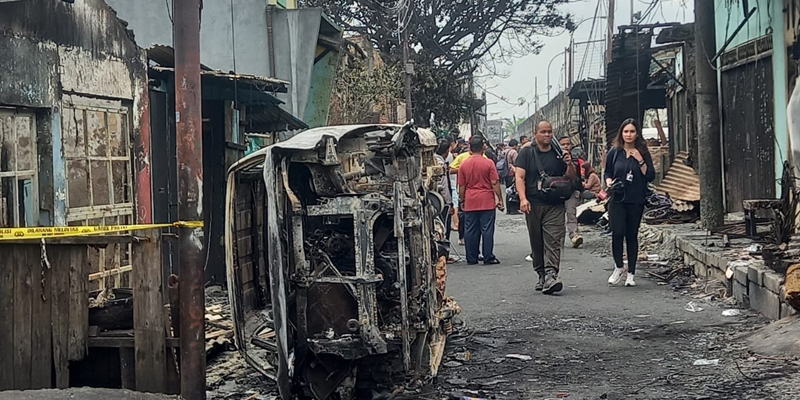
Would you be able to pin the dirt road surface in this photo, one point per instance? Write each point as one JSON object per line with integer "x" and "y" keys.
{"x": 594, "y": 341}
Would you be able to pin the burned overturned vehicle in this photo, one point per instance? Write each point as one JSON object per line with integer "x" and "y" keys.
{"x": 336, "y": 261}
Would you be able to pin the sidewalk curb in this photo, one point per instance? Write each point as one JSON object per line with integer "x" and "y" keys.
{"x": 754, "y": 285}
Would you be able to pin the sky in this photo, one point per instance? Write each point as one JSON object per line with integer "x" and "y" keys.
{"x": 518, "y": 79}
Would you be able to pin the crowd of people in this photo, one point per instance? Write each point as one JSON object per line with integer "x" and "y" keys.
{"x": 546, "y": 182}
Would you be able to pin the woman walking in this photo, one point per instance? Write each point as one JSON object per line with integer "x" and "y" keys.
{"x": 629, "y": 167}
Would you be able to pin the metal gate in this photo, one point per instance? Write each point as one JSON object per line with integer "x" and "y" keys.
{"x": 748, "y": 126}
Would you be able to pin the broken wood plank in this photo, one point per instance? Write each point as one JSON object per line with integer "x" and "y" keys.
{"x": 22, "y": 317}
{"x": 213, "y": 317}
{"x": 214, "y": 335}
{"x": 78, "y": 304}
{"x": 7, "y": 278}
{"x": 110, "y": 272}
{"x": 59, "y": 308}
{"x": 41, "y": 339}
{"x": 148, "y": 313}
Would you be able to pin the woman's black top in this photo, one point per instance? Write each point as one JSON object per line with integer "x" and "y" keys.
{"x": 626, "y": 169}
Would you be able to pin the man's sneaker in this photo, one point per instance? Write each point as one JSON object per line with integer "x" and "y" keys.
{"x": 616, "y": 276}
{"x": 629, "y": 280}
{"x": 528, "y": 258}
{"x": 552, "y": 284}
{"x": 577, "y": 241}
{"x": 540, "y": 284}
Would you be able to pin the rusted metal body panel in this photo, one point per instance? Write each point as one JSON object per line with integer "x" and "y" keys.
{"x": 335, "y": 255}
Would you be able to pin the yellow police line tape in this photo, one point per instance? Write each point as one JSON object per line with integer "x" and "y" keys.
{"x": 42, "y": 232}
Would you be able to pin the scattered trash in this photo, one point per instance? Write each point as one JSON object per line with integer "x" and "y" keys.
{"x": 570, "y": 320}
{"x": 452, "y": 364}
{"x": 677, "y": 322}
{"x": 754, "y": 248}
{"x": 643, "y": 316}
{"x": 703, "y": 362}
{"x": 498, "y": 360}
{"x": 692, "y": 307}
{"x": 463, "y": 356}
{"x": 562, "y": 395}
{"x": 640, "y": 330}
{"x": 731, "y": 313}
{"x": 652, "y": 257}
{"x": 519, "y": 357}
{"x": 457, "y": 381}
{"x": 494, "y": 382}
{"x": 490, "y": 342}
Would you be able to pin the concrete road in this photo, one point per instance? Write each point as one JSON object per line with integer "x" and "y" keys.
{"x": 594, "y": 341}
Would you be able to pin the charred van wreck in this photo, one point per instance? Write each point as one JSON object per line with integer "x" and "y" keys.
{"x": 336, "y": 260}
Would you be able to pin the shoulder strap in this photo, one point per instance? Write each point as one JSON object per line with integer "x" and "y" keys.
{"x": 538, "y": 161}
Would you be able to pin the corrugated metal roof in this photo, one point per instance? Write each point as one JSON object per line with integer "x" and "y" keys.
{"x": 680, "y": 182}
{"x": 269, "y": 84}
{"x": 164, "y": 56}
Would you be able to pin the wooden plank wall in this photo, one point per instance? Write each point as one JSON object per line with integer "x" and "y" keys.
{"x": 44, "y": 309}
{"x": 148, "y": 314}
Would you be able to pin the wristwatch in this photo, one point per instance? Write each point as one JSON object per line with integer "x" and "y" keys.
{"x": 641, "y": 163}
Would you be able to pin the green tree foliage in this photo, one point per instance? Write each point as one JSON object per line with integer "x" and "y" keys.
{"x": 513, "y": 125}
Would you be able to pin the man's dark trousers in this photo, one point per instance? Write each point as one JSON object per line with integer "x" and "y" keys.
{"x": 462, "y": 223}
{"x": 479, "y": 224}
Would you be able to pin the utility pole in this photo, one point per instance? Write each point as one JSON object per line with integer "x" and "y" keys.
{"x": 566, "y": 67}
{"x": 536, "y": 96}
{"x": 633, "y": 17}
{"x": 571, "y": 62}
{"x": 407, "y": 69}
{"x": 609, "y": 35}
{"x": 708, "y": 128}
{"x": 188, "y": 116}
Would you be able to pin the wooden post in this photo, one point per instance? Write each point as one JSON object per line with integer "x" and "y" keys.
{"x": 148, "y": 313}
{"x": 61, "y": 257}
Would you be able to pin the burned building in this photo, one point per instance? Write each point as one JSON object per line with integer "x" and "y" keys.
{"x": 74, "y": 150}
{"x": 337, "y": 260}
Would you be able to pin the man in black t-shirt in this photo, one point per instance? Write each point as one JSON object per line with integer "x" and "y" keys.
{"x": 545, "y": 219}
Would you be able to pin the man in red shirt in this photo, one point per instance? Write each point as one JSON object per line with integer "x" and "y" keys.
{"x": 479, "y": 193}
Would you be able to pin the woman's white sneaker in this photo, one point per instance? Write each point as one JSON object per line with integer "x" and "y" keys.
{"x": 528, "y": 258}
{"x": 615, "y": 277}
{"x": 629, "y": 280}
